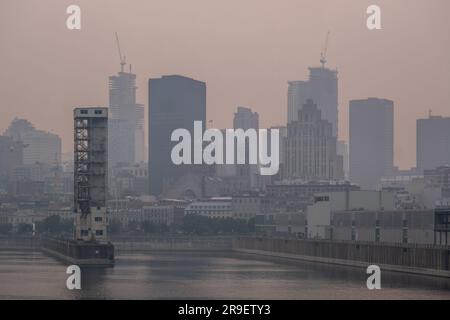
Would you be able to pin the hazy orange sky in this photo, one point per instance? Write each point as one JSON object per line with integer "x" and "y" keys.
{"x": 245, "y": 51}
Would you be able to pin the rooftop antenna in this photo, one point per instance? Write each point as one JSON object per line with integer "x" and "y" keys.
{"x": 121, "y": 58}
{"x": 430, "y": 113}
{"x": 323, "y": 54}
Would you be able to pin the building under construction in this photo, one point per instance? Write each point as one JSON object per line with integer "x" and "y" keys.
{"x": 89, "y": 246}
{"x": 126, "y": 118}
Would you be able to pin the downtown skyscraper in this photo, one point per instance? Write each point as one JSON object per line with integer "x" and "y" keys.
{"x": 126, "y": 123}
{"x": 371, "y": 141}
{"x": 433, "y": 143}
{"x": 312, "y": 147}
{"x": 322, "y": 89}
{"x": 175, "y": 102}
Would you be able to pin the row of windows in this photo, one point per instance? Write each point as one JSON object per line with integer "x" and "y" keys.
{"x": 246, "y": 200}
{"x": 210, "y": 212}
{"x": 227, "y": 207}
{"x": 85, "y": 233}
{"x": 87, "y": 111}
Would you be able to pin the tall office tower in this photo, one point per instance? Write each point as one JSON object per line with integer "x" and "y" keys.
{"x": 90, "y": 171}
{"x": 371, "y": 141}
{"x": 433, "y": 143}
{"x": 126, "y": 126}
{"x": 311, "y": 147}
{"x": 174, "y": 102}
{"x": 322, "y": 88}
{"x": 39, "y": 146}
{"x": 245, "y": 118}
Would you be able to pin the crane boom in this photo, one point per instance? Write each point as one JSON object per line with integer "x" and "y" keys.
{"x": 323, "y": 54}
{"x": 122, "y": 59}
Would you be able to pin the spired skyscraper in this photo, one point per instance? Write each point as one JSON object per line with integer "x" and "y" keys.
{"x": 371, "y": 141}
{"x": 126, "y": 123}
{"x": 322, "y": 88}
{"x": 312, "y": 147}
{"x": 174, "y": 102}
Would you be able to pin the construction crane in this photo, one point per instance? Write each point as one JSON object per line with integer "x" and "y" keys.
{"x": 323, "y": 54}
{"x": 121, "y": 58}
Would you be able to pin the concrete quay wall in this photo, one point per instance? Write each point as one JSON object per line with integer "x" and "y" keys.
{"x": 409, "y": 258}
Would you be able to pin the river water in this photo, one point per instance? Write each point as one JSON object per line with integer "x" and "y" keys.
{"x": 200, "y": 275}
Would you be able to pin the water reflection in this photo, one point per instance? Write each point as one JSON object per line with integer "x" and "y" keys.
{"x": 197, "y": 275}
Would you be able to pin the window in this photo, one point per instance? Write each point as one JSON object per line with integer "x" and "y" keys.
{"x": 83, "y": 112}
{"x": 98, "y": 219}
{"x": 84, "y": 232}
{"x": 405, "y": 236}
{"x": 98, "y": 112}
{"x": 98, "y": 232}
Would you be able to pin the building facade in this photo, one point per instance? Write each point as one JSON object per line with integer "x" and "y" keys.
{"x": 392, "y": 226}
{"x": 245, "y": 119}
{"x": 38, "y": 146}
{"x": 220, "y": 207}
{"x": 312, "y": 147}
{"x": 371, "y": 141}
{"x": 433, "y": 143}
{"x": 322, "y": 88}
{"x": 286, "y": 197}
{"x": 11, "y": 157}
{"x": 126, "y": 124}
{"x": 319, "y": 214}
{"x": 246, "y": 206}
{"x": 174, "y": 102}
{"x": 90, "y": 173}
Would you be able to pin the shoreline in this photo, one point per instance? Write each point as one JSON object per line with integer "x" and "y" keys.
{"x": 214, "y": 244}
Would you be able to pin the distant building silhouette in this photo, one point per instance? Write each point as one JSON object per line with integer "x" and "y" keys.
{"x": 433, "y": 143}
{"x": 322, "y": 88}
{"x": 174, "y": 102}
{"x": 342, "y": 150}
{"x": 126, "y": 123}
{"x": 245, "y": 118}
{"x": 39, "y": 146}
{"x": 371, "y": 141}
{"x": 311, "y": 147}
{"x": 11, "y": 157}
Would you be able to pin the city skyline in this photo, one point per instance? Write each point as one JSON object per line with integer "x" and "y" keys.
{"x": 206, "y": 150}
{"x": 377, "y": 60}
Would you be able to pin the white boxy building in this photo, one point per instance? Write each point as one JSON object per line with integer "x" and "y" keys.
{"x": 319, "y": 215}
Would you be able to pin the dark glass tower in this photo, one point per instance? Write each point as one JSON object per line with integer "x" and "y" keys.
{"x": 174, "y": 102}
